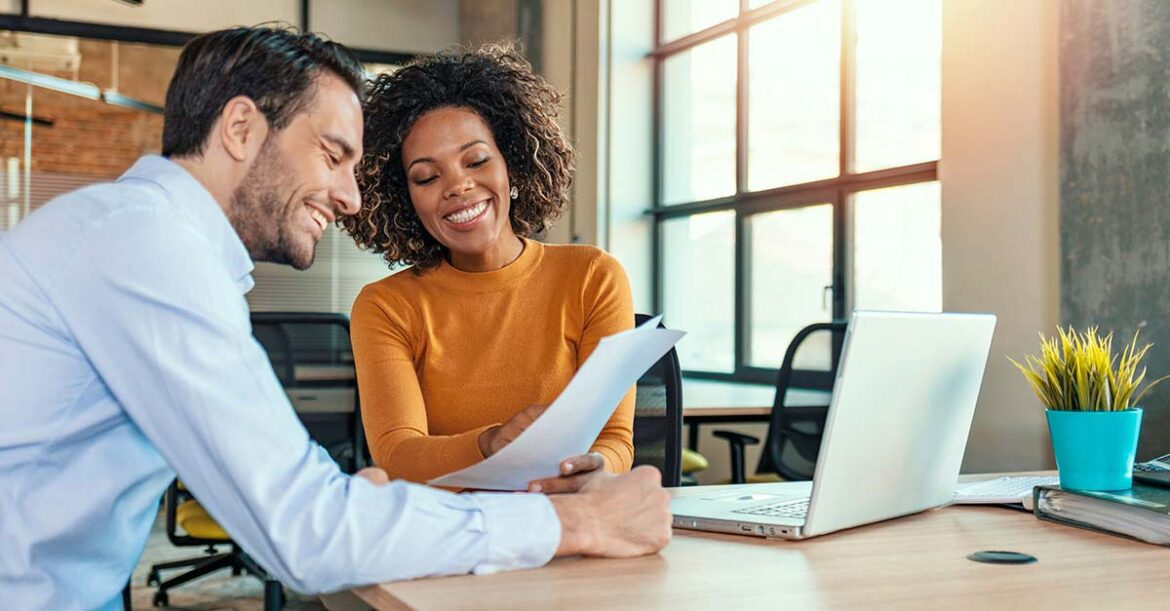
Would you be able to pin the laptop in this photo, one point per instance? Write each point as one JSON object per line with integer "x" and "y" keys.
{"x": 894, "y": 435}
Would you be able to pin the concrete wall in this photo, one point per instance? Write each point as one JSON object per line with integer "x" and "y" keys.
{"x": 1000, "y": 206}
{"x": 1115, "y": 175}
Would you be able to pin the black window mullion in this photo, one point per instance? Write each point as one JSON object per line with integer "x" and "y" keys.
{"x": 840, "y": 277}
{"x": 742, "y": 239}
{"x": 742, "y": 292}
{"x": 657, "y": 256}
{"x": 841, "y": 213}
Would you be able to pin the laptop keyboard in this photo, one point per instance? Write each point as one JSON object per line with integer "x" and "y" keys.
{"x": 792, "y": 508}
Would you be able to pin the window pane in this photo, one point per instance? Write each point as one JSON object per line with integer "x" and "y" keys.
{"x": 794, "y": 97}
{"x": 899, "y": 51}
{"x": 698, "y": 141}
{"x": 897, "y": 249}
{"x": 791, "y": 264}
{"x": 698, "y": 288}
{"x": 682, "y": 17}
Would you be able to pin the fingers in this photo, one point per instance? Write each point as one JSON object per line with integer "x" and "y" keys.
{"x": 561, "y": 485}
{"x": 527, "y": 416}
{"x": 631, "y": 514}
{"x": 374, "y": 475}
{"x": 511, "y": 429}
{"x": 582, "y": 464}
{"x": 576, "y": 472}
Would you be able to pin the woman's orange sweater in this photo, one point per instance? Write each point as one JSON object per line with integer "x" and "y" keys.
{"x": 444, "y": 355}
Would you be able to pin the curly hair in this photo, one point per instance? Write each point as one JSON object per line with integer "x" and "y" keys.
{"x": 519, "y": 106}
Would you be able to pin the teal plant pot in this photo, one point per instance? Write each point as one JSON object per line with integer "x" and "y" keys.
{"x": 1095, "y": 450}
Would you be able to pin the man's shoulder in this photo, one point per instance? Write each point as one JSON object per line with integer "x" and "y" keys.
{"x": 92, "y": 218}
{"x": 93, "y": 205}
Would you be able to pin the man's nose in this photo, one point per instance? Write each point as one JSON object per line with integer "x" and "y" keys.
{"x": 346, "y": 197}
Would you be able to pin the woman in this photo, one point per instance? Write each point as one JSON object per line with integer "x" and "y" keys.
{"x": 463, "y": 162}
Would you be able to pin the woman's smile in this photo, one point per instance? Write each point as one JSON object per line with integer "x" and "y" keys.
{"x": 466, "y": 217}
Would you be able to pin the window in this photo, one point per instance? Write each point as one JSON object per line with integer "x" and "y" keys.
{"x": 797, "y": 146}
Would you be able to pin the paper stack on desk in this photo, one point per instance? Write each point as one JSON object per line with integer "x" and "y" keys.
{"x": 571, "y": 424}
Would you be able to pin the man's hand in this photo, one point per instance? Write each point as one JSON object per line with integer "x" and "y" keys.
{"x": 375, "y": 475}
{"x": 617, "y": 517}
{"x": 494, "y": 439}
{"x": 575, "y": 473}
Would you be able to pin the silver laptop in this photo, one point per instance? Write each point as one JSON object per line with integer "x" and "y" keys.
{"x": 894, "y": 436}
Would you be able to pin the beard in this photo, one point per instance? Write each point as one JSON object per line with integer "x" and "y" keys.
{"x": 266, "y": 224}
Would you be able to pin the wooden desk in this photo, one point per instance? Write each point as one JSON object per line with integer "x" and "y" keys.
{"x": 916, "y": 562}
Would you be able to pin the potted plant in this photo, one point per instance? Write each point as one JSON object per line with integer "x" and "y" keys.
{"x": 1092, "y": 400}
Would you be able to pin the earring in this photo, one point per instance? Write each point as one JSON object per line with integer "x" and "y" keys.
{"x": 514, "y": 193}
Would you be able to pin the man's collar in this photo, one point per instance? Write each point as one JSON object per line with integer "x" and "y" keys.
{"x": 185, "y": 190}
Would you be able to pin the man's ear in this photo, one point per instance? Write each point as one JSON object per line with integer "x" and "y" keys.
{"x": 242, "y": 128}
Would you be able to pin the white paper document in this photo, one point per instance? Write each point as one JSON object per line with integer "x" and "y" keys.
{"x": 571, "y": 424}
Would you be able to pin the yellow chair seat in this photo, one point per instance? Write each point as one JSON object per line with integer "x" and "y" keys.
{"x": 194, "y": 520}
{"x": 693, "y": 461}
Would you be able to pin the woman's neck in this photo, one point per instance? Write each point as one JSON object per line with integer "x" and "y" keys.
{"x": 503, "y": 252}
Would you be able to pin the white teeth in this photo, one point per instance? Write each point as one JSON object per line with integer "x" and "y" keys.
{"x": 318, "y": 217}
{"x": 467, "y": 213}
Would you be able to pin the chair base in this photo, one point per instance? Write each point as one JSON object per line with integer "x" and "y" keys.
{"x": 236, "y": 560}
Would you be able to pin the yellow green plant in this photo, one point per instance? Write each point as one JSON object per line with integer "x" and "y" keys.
{"x": 1080, "y": 372}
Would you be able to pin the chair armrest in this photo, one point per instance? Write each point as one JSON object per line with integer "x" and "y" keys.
{"x": 737, "y": 438}
{"x": 737, "y": 442}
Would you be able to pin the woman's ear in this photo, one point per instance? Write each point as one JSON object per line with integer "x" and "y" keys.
{"x": 242, "y": 128}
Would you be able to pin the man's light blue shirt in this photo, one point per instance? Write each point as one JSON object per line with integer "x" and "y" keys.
{"x": 126, "y": 355}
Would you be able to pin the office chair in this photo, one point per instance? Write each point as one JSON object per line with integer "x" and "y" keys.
{"x": 794, "y": 432}
{"x": 658, "y": 415}
{"x": 199, "y": 529}
{"x": 313, "y": 359}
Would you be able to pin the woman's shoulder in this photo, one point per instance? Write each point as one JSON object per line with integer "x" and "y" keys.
{"x": 395, "y": 292}
{"x": 583, "y": 257}
{"x": 397, "y": 283}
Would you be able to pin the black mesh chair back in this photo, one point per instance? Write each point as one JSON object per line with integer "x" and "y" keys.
{"x": 313, "y": 359}
{"x": 658, "y": 416}
{"x": 794, "y": 431}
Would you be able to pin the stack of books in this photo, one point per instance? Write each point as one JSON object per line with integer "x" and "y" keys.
{"x": 1142, "y": 512}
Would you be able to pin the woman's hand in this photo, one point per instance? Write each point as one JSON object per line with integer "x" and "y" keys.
{"x": 495, "y": 438}
{"x": 575, "y": 473}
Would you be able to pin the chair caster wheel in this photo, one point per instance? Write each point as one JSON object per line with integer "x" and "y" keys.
{"x": 153, "y": 579}
{"x": 161, "y": 599}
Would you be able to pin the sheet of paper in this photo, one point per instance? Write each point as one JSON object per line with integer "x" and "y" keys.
{"x": 572, "y": 422}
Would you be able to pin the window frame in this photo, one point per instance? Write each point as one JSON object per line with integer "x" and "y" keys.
{"x": 835, "y": 191}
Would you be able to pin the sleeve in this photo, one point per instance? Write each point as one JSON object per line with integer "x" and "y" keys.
{"x": 393, "y": 411}
{"x": 608, "y": 305}
{"x": 168, "y": 331}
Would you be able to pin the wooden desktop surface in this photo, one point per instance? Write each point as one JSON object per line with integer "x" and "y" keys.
{"x": 915, "y": 562}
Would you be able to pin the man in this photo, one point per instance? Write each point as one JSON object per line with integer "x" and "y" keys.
{"x": 126, "y": 356}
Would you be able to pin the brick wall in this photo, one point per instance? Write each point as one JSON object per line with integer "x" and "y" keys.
{"x": 91, "y": 138}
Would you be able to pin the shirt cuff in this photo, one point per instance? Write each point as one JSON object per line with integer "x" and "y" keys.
{"x": 523, "y": 531}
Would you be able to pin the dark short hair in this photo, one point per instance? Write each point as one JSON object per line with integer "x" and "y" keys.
{"x": 519, "y": 106}
{"x": 274, "y": 66}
